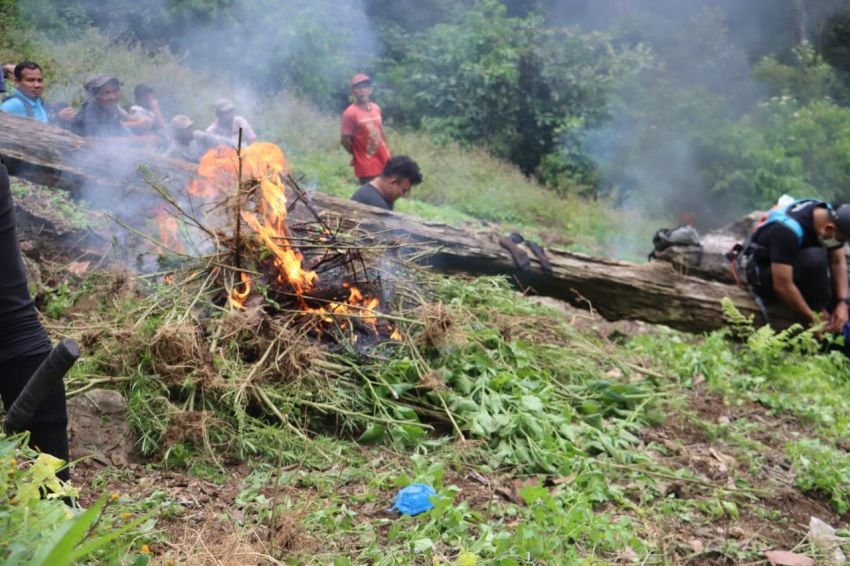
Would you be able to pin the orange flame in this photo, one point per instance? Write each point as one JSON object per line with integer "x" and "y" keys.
{"x": 237, "y": 298}
{"x": 364, "y": 306}
{"x": 219, "y": 168}
{"x": 168, "y": 228}
{"x": 217, "y": 172}
{"x": 266, "y": 164}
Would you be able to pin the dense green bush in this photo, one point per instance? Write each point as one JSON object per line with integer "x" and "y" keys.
{"x": 695, "y": 133}
{"x": 783, "y": 148}
{"x": 513, "y": 84}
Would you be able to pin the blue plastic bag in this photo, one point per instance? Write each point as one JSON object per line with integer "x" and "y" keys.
{"x": 414, "y": 499}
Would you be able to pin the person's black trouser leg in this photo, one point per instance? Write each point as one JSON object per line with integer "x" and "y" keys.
{"x": 49, "y": 426}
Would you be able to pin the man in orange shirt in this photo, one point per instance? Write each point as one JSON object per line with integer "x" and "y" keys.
{"x": 362, "y": 132}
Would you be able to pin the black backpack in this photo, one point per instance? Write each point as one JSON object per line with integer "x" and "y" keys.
{"x": 684, "y": 235}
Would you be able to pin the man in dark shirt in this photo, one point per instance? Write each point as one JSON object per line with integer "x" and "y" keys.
{"x": 101, "y": 114}
{"x": 399, "y": 175}
{"x": 23, "y": 341}
{"x": 806, "y": 271}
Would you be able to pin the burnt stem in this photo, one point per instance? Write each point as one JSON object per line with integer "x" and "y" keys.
{"x": 238, "y": 250}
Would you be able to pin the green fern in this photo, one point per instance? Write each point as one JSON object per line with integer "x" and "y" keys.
{"x": 764, "y": 343}
{"x": 741, "y": 326}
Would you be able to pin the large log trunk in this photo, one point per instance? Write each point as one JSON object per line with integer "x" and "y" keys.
{"x": 656, "y": 293}
{"x": 51, "y": 156}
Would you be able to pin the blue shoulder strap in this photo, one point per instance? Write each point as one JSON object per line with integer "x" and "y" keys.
{"x": 781, "y": 216}
{"x": 28, "y": 108}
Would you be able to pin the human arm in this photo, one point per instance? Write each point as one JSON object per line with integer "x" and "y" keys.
{"x": 137, "y": 122}
{"x": 838, "y": 270}
{"x": 248, "y": 135}
{"x": 783, "y": 247}
{"x": 208, "y": 140}
{"x": 159, "y": 119}
{"x": 782, "y": 277}
{"x": 384, "y": 136}
{"x": 346, "y": 141}
{"x": 67, "y": 114}
{"x": 346, "y": 131}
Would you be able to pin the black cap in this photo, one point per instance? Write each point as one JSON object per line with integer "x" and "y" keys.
{"x": 842, "y": 220}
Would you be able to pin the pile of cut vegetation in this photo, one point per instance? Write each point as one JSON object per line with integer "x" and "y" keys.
{"x": 288, "y": 331}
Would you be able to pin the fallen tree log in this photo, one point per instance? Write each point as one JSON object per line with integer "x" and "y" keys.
{"x": 48, "y": 155}
{"x": 654, "y": 293}
{"x": 710, "y": 262}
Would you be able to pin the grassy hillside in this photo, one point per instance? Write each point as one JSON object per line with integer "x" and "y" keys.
{"x": 461, "y": 184}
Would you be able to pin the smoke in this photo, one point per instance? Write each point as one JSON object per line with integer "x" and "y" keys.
{"x": 195, "y": 53}
{"x": 258, "y": 47}
{"x": 652, "y": 153}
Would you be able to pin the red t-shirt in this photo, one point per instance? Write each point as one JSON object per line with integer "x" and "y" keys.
{"x": 369, "y": 147}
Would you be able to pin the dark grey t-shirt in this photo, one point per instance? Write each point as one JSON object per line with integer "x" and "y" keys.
{"x": 368, "y": 194}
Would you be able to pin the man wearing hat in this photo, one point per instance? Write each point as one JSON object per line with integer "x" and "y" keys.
{"x": 189, "y": 144}
{"x": 101, "y": 115}
{"x": 227, "y": 124}
{"x": 362, "y": 132}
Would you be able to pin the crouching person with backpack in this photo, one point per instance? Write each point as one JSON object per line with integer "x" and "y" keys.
{"x": 796, "y": 256}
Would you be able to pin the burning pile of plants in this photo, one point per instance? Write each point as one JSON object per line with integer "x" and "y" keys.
{"x": 280, "y": 329}
{"x": 269, "y": 249}
{"x": 264, "y": 311}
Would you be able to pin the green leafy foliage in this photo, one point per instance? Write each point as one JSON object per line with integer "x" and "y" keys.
{"x": 36, "y": 526}
{"x": 787, "y": 372}
{"x": 699, "y": 129}
{"x": 808, "y": 78}
{"x": 782, "y": 148}
{"x": 553, "y": 522}
{"x": 714, "y": 106}
{"x": 820, "y": 467}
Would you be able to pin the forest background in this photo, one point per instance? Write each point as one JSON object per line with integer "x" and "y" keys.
{"x": 709, "y": 105}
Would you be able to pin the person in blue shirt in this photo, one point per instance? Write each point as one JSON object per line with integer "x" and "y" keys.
{"x": 26, "y": 99}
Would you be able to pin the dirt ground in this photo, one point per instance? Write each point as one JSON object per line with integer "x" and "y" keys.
{"x": 772, "y": 514}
